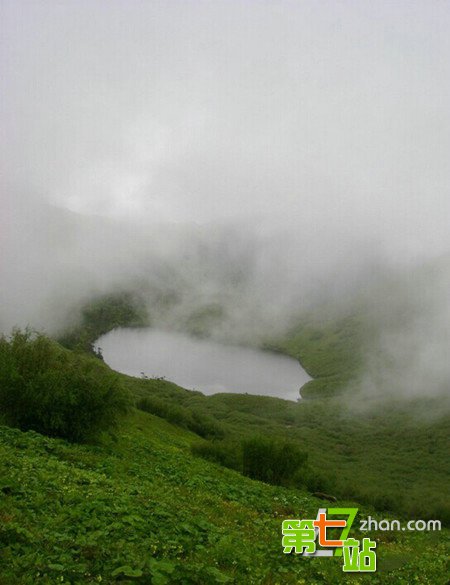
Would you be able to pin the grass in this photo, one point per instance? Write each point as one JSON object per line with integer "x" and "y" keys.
{"x": 330, "y": 352}
{"x": 390, "y": 459}
{"x": 143, "y": 509}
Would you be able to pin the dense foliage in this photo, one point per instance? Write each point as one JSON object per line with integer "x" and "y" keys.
{"x": 271, "y": 460}
{"x": 144, "y": 510}
{"x": 202, "y": 424}
{"x": 392, "y": 458}
{"x": 55, "y": 392}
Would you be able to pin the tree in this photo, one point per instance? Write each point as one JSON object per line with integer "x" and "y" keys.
{"x": 53, "y": 391}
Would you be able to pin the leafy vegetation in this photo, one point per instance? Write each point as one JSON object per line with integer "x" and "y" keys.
{"x": 50, "y": 390}
{"x": 391, "y": 457}
{"x": 226, "y": 453}
{"x": 146, "y": 509}
{"x": 330, "y": 351}
{"x": 202, "y": 424}
{"x": 271, "y": 460}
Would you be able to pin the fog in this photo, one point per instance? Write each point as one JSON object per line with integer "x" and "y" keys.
{"x": 269, "y": 157}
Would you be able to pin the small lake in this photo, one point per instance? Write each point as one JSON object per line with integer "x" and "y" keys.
{"x": 202, "y": 364}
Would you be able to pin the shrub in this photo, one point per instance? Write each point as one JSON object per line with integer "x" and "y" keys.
{"x": 270, "y": 460}
{"x": 315, "y": 481}
{"x": 56, "y": 392}
{"x": 273, "y": 461}
{"x": 204, "y": 425}
{"x": 171, "y": 412}
{"x": 201, "y": 424}
{"x": 228, "y": 454}
{"x": 386, "y": 502}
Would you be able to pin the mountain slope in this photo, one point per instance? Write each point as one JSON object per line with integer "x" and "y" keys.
{"x": 143, "y": 509}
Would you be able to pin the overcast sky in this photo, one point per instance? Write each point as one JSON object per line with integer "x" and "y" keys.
{"x": 306, "y": 143}
{"x": 319, "y": 112}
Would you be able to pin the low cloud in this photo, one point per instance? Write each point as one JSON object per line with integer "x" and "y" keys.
{"x": 267, "y": 157}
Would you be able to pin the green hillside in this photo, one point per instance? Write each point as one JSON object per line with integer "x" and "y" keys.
{"x": 143, "y": 509}
{"x": 393, "y": 456}
{"x": 142, "y": 506}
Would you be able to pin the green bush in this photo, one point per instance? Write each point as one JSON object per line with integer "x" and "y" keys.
{"x": 173, "y": 413}
{"x": 53, "y": 391}
{"x": 273, "y": 461}
{"x": 226, "y": 453}
{"x": 201, "y": 424}
{"x": 270, "y": 460}
{"x": 204, "y": 425}
{"x": 315, "y": 481}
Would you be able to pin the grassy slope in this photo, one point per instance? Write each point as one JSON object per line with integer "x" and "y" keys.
{"x": 329, "y": 351}
{"x": 82, "y": 512}
{"x": 144, "y": 506}
{"x": 389, "y": 457}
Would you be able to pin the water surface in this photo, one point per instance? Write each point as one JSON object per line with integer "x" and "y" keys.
{"x": 201, "y": 364}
